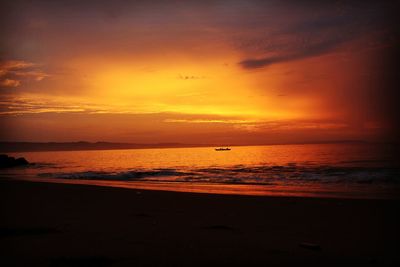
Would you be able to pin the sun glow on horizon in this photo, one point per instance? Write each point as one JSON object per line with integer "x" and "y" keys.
{"x": 208, "y": 88}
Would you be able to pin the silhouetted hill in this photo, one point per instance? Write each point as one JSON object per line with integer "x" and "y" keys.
{"x": 83, "y": 145}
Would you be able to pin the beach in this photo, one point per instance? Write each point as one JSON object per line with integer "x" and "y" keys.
{"x": 47, "y": 224}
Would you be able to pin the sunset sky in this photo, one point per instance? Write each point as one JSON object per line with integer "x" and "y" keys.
{"x": 220, "y": 72}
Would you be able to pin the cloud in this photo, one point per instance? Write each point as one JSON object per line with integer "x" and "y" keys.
{"x": 10, "y": 65}
{"x": 226, "y": 120}
{"x": 251, "y": 125}
{"x": 37, "y": 75}
{"x": 313, "y": 34}
{"x": 9, "y": 83}
{"x": 190, "y": 77}
{"x": 14, "y": 72}
{"x": 10, "y": 105}
{"x": 306, "y": 51}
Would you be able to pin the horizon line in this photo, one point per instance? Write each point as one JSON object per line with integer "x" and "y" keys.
{"x": 26, "y": 146}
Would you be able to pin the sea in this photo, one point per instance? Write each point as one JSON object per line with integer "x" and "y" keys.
{"x": 356, "y": 170}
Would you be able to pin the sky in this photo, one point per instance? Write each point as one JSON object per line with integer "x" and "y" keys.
{"x": 198, "y": 72}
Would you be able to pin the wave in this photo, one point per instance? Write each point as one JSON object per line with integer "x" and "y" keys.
{"x": 265, "y": 174}
{"x": 102, "y": 175}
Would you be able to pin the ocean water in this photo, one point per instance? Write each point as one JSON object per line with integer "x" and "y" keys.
{"x": 323, "y": 170}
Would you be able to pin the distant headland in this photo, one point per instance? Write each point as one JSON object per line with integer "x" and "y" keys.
{"x": 83, "y": 145}
{"x": 6, "y": 147}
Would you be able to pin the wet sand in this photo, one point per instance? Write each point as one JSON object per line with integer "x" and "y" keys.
{"x": 45, "y": 224}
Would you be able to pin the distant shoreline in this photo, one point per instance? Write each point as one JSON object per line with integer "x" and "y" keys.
{"x": 8, "y": 147}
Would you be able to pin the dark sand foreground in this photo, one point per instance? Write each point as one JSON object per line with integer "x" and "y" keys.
{"x": 45, "y": 224}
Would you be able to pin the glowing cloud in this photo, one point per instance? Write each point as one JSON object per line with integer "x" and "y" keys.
{"x": 12, "y": 72}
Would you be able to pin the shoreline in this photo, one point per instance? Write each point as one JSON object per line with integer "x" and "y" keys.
{"x": 319, "y": 191}
{"x": 84, "y": 225}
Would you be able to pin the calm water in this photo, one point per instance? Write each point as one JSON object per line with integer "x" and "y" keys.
{"x": 329, "y": 170}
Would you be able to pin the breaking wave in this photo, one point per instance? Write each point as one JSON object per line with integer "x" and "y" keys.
{"x": 240, "y": 174}
{"x": 126, "y": 175}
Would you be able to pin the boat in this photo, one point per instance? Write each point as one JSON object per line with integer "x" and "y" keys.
{"x": 222, "y": 149}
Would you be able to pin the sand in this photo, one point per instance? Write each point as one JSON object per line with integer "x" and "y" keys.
{"x": 44, "y": 224}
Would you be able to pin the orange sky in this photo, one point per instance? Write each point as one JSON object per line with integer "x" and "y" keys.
{"x": 228, "y": 72}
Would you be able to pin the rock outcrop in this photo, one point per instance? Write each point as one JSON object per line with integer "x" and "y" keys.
{"x": 8, "y": 162}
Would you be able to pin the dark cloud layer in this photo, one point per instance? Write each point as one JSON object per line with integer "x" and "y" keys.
{"x": 308, "y": 51}
{"x": 320, "y": 31}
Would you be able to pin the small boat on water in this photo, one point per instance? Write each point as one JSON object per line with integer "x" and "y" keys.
{"x": 222, "y": 149}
